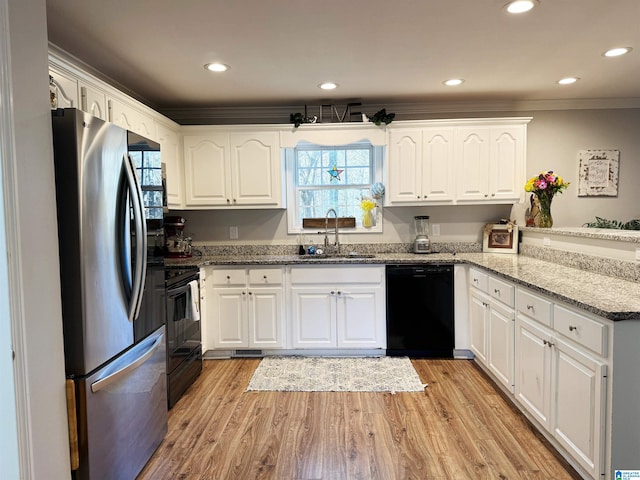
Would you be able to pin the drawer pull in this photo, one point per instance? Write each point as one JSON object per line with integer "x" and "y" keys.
{"x": 529, "y": 307}
{"x": 496, "y": 290}
{"x": 475, "y": 280}
{"x": 548, "y": 343}
{"x": 264, "y": 276}
{"x": 228, "y": 277}
{"x": 572, "y": 328}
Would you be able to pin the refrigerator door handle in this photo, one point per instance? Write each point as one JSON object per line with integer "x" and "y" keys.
{"x": 140, "y": 224}
{"x": 129, "y": 366}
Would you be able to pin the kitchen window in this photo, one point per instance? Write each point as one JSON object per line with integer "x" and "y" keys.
{"x": 323, "y": 177}
{"x": 149, "y": 169}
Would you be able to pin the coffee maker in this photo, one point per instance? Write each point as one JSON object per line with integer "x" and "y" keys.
{"x": 177, "y": 245}
{"x": 421, "y": 244}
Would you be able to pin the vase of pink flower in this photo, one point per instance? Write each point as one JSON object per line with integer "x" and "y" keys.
{"x": 544, "y": 186}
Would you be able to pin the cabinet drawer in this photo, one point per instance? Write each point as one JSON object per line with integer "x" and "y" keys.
{"x": 533, "y": 306}
{"x": 229, "y": 276}
{"x": 582, "y": 330}
{"x": 502, "y": 291}
{"x": 478, "y": 279}
{"x": 265, "y": 276}
{"x": 336, "y": 275}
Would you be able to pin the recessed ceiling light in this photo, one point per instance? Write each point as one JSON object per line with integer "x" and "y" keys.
{"x": 520, "y": 6}
{"x": 328, "y": 86}
{"x": 568, "y": 80}
{"x": 453, "y": 82}
{"x": 216, "y": 67}
{"x": 616, "y": 52}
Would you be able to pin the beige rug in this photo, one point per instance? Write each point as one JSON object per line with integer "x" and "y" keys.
{"x": 336, "y": 374}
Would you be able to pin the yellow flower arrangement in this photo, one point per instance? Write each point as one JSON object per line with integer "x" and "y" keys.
{"x": 366, "y": 204}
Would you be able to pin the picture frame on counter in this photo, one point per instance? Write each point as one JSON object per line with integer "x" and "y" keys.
{"x": 500, "y": 238}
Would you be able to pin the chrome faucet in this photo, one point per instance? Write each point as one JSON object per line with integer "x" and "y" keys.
{"x": 326, "y": 227}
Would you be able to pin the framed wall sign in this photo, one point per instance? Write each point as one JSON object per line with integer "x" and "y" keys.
{"x": 598, "y": 173}
{"x": 500, "y": 238}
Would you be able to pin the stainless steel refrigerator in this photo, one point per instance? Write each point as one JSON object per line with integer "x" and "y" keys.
{"x": 116, "y": 382}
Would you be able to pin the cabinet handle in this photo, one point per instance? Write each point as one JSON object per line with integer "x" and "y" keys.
{"x": 486, "y": 195}
{"x": 572, "y": 328}
{"x": 244, "y": 293}
{"x": 496, "y": 290}
{"x": 228, "y": 201}
{"x": 475, "y": 280}
{"x": 548, "y": 343}
{"x": 228, "y": 277}
{"x": 493, "y": 194}
{"x": 250, "y": 293}
{"x": 529, "y": 307}
{"x": 264, "y": 276}
{"x": 332, "y": 292}
{"x": 234, "y": 200}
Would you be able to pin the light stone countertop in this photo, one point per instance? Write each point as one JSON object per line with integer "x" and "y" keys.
{"x": 609, "y": 297}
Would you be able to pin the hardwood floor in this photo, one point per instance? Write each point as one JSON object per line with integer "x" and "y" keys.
{"x": 460, "y": 427}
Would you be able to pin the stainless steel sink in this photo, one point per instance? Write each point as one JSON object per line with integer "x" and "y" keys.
{"x": 337, "y": 256}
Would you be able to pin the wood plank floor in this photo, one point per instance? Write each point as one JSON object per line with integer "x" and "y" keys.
{"x": 460, "y": 427}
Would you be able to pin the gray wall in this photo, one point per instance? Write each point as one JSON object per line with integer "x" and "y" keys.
{"x": 554, "y": 139}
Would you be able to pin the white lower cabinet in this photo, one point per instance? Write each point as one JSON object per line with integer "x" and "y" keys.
{"x": 561, "y": 384}
{"x": 245, "y": 308}
{"x": 337, "y": 307}
{"x": 491, "y": 319}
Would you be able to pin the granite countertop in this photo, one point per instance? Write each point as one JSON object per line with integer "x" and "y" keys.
{"x": 609, "y": 297}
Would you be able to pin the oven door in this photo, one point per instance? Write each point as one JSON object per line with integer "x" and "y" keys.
{"x": 183, "y": 322}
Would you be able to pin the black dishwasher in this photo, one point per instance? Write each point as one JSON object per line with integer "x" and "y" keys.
{"x": 420, "y": 311}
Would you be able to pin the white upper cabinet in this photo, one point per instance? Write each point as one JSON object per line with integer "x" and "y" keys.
{"x": 420, "y": 166}
{"x": 93, "y": 100}
{"x": 491, "y": 163}
{"x": 233, "y": 169}
{"x": 171, "y": 150}
{"x": 66, "y": 88}
{"x": 127, "y": 116}
{"x": 440, "y": 162}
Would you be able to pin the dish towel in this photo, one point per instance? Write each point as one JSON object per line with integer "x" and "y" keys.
{"x": 195, "y": 300}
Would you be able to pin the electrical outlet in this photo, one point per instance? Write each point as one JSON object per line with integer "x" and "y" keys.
{"x": 233, "y": 233}
{"x": 546, "y": 241}
{"x": 637, "y": 253}
{"x": 435, "y": 229}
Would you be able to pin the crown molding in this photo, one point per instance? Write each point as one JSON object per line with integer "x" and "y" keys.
{"x": 404, "y": 111}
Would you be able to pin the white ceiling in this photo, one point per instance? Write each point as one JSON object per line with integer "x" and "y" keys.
{"x": 377, "y": 50}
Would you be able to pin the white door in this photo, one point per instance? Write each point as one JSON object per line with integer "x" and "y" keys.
{"x": 507, "y": 163}
{"x": 229, "y": 307}
{"x": 533, "y": 369}
{"x": 438, "y": 175}
{"x": 361, "y": 318}
{"x": 255, "y": 169}
{"x": 578, "y": 423}
{"x": 472, "y": 155}
{"x": 313, "y": 317}
{"x": 501, "y": 343}
{"x": 405, "y": 170}
{"x": 265, "y": 318}
{"x": 478, "y": 324}
{"x": 207, "y": 171}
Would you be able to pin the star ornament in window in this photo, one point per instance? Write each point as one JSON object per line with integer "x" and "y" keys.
{"x": 335, "y": 173}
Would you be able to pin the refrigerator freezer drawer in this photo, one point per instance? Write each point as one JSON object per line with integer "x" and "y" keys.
{"x": 123, "y": 419}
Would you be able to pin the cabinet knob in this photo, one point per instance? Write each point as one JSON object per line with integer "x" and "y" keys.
{"x": 496, "y": 290}
{"x": 493, "y": 194}
{"x": 228, "y": 277}
{"x": 250, "y": 293}
{"x": 529, "y": 307}
{"x": 572, "y": 328}
{"x": 475, "y": 280}
{"x": 332, "y": 292}
{"x": 244, "y": 293}
{"x": 228, "y": 201}
{"x": 264, "y": 276}
{"x": 234, "y": 200}
{"x": 486, "y": 195}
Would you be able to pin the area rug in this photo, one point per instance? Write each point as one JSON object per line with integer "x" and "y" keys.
{"x": 336, "y": 374}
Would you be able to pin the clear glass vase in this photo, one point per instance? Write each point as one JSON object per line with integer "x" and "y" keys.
{"x": 545, "y": 220}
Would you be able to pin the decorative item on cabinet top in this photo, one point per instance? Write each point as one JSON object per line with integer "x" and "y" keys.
{"x": 500, "y": 237}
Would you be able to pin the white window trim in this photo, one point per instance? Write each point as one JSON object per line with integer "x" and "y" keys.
{"x": 379, "y": 153}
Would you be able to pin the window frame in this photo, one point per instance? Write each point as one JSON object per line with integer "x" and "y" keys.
{"x": 378, "y": 155}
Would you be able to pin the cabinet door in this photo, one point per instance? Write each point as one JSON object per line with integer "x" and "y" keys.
{"x": 507, "y": 163}
{"x": 472, "y": 155}
{"x": 265, "y": 318}
{"x": 578, "y": 423}
{"x": 171, "y": 151}
{"x": 229, "y": 314}
{"x": 128, "y": 117}
{"x": 438, "y": 175}
{"x": 66, "y": 89}
{"x": 533, "y": 369}
{"x": 405, "y": 166}
{"x": 313, "y": 316}
{"x": 500, "y": 357}
{"x": 361, "y": 317}
{"x": 478, "y": 304}
{"x": 256, "y": 172}
{"x": 93, "y": 100}
{"x": 207, "y": 170}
